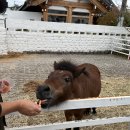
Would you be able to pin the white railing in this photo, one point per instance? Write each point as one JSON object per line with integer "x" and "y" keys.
{"x": 84, "y": 103}
{"x": 121, "y": 46}
{"x": 39, "y": 36}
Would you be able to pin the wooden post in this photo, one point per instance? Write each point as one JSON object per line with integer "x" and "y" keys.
{"x": 45, "y": 14}
{"x": 90, "y": 18}
{"x": 69, "y": 15}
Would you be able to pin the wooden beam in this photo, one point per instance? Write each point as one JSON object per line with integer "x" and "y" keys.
{"x": 57, "y": 14}
{"x": 70, "y": 4}
{"x": 35, "y": 2}
{"x": 99, "y": 5}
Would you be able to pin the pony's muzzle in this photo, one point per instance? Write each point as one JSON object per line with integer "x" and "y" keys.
{"x": 43, "y": 92}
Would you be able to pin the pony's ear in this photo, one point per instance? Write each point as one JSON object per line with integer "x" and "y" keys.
{"x": 55, "y": 64}
{"x": 78, "y": 72}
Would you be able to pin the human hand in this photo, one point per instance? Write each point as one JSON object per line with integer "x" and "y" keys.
{"x": 4, "y": 86}
{"x": 28, "y": 108}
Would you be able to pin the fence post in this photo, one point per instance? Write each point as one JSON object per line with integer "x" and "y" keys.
{"x": 112, "y": 45}
{"x": 129, "y": 55}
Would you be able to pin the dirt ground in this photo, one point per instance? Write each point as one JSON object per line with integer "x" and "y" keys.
{"x": 27, "y": 70}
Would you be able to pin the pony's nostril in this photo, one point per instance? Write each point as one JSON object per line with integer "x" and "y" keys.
{"x": 46, "y": 88}
{"x": 39, "y": 88}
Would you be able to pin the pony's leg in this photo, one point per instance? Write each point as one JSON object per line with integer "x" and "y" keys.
{"x": 69, "y": 117}
{"x": 77, "y": 128}
{"x": 94, "y": 110}
{"x": 68, "y": 129}
{"x": 78, "y": 116}
{"x": 88, "y": 110}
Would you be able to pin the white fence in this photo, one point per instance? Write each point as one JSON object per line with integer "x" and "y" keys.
{"x": 85, "y": 103}
{"x": 121, "y": 46}
{"x": 33, "y": 36}
{"x": 3, "y": 45}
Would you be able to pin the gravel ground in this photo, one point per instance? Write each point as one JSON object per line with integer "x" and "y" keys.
{"x": 115, "y": 71}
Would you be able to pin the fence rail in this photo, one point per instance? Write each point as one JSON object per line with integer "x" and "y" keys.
{"x": 37, "y": 36}
{"x": 71, "y": 124}
{"x": 84, "y": 103}
{"x": 121, "y": 46}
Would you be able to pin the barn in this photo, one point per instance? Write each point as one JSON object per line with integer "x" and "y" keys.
{"x": 70, "y": 11}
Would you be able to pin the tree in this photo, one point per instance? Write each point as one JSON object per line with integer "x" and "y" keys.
{"x": 109, "y": 19}
{"x": 3, "y": 6}
{"x": 127, "y": 19}
{"x": 122, "y": 12}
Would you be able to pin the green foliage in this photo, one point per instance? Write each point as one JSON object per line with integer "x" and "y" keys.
{"x": 109, "y": 19}
{"x": 127, "y": 19}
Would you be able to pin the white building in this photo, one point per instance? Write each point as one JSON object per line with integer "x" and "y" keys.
{"x": 25, "y": 15}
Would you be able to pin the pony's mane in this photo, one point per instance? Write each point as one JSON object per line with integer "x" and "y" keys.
{"x": 65, "y": 65}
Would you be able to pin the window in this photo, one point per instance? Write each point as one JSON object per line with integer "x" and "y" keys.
{"x": 80, "y": 20}
{"x": 57, "y": 14}
{"x": 50, "y": 11}
{"x": 80, "y": 16}
{"x": 54, "y": 18}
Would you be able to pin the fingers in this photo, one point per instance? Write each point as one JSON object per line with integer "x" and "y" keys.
{"x": 38, "y": 106}
{"x": 40, "y": 102}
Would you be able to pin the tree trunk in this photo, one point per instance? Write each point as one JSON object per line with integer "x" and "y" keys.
{"x": 122, "y": 12}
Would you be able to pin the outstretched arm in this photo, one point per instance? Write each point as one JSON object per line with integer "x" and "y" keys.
{"x": 25, "y": 107}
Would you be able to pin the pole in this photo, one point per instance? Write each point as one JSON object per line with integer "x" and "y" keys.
{"x": 122, "y": 12}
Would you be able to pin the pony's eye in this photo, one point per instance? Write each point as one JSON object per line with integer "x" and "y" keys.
{"x": 48, "y": 77}
{"x": 67, "y": 79}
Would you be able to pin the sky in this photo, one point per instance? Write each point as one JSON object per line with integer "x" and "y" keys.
{"x": 119, "y": 2}
{"x": 20, "y": 2}
{"x": 12, "y": 2}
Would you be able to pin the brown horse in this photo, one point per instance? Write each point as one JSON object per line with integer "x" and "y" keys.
{"x": 69, "y": 81}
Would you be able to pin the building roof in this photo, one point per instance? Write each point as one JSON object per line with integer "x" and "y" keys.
{"x": 32, "y": 5}
{"x": 25, "y": 7}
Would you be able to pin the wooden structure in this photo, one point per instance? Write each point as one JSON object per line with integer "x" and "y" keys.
{"x": 71, "y": 11}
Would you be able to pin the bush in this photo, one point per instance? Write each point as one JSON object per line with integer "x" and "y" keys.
{"x": 111, "y": 18}
{"x": 127, "y": 19}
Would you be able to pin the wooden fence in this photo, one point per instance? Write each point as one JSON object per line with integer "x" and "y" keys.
{"x": 84, "y": 103}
